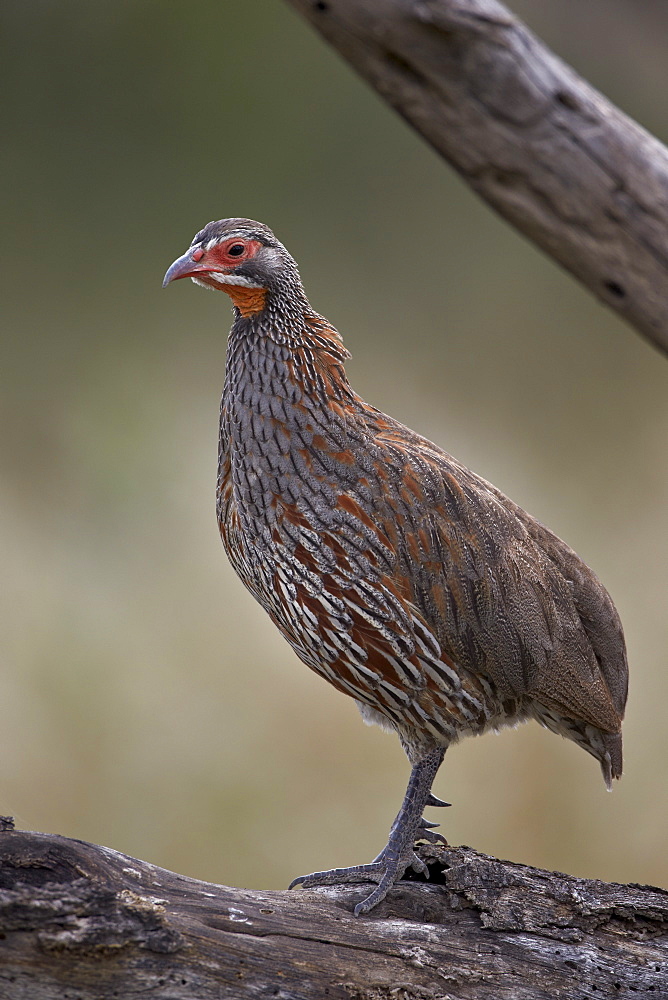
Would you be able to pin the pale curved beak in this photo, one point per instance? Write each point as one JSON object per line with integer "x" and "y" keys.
{"x": 184, "y": 267}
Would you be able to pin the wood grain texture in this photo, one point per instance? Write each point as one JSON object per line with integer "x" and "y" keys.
{"x": 85, "y": 922}
{"x": 561, "y": 163}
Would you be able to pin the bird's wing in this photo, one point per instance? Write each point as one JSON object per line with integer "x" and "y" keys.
{"x": 502, "y": 595}
{"x": 593, "y": 603}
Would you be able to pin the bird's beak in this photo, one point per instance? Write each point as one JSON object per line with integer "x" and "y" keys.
{"x": 184, "y": 267}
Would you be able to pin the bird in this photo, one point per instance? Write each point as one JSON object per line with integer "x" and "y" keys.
{"x": 404, "y": 579}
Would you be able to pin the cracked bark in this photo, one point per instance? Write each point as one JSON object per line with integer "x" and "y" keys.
{"x": 87, "y": 923}
{"x": 556, "y": 159}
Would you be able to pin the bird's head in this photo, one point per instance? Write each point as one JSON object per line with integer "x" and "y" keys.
{"x": 240, "y": 257}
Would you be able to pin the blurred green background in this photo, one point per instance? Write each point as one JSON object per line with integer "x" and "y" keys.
{"x": 146, "y": 702}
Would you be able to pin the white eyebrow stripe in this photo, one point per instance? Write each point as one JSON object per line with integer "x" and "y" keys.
{"x": 241, "y": 235}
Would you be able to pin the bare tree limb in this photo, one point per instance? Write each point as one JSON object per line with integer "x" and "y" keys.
{"x": 80, "y": 921}
{"x": 561, "y": 163}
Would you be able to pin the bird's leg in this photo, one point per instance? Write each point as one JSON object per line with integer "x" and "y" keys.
{"x": 398, "y": 854}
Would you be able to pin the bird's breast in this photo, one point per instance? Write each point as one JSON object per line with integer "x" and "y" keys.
{"x": 286, "y": 452}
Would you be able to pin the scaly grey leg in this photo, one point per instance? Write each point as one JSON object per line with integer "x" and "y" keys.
{"x": 398, "y": 855}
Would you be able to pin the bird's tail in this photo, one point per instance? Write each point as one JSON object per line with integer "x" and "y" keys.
{"x": 611, "y": 760}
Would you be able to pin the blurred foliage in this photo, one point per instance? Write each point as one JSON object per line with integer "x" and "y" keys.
{"x": 145, "y": 701}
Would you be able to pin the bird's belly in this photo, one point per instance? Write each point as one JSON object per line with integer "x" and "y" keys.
{"x": 396, "y": 677}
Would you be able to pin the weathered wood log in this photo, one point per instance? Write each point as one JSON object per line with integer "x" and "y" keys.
{"x": 84, "y": 922}
{"x": 561, "y": 163}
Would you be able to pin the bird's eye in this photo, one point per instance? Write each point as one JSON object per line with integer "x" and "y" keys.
{"x": 236, "y": 250}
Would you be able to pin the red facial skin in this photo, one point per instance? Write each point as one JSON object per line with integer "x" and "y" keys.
{"x": 199, "y": 262}
{"x": 202, "y": 265}
{"x": 219, "y": 259}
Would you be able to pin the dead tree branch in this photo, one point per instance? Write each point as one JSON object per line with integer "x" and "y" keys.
{"x": 561, "y": 163}
{"x": 80, "y": 921}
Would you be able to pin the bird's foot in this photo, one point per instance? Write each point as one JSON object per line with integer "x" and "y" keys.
{"x": 387, "y": 869}
{"x": 399, "y": 854}
{"x": 384, "y": 871}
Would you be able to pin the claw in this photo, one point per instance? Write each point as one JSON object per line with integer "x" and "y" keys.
{"x": 431, "y": 838}
{"x": 433, "y": 801}
{"x": 419, "y": 866}
{"x": 424, "y": 832}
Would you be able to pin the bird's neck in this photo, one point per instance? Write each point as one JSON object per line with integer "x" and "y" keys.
{"x": 287, "y": 413}
{"x": 288, "y": 352}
